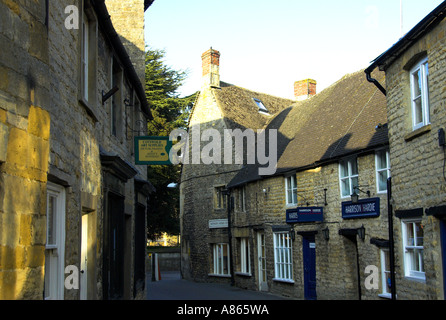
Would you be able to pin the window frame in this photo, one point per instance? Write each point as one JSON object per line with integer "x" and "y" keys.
{"x": 283, "y": 257}
{"x": 220, "y": 201}
{"x": 290, "y": 180}
{"x": 385, "y": 274}
{"x": 55, "y": 252}
{"x": 218, "y": 259}
{"x": 245, "y": 256}
{"x": 379, "y": 170}
{"x": 410, "y": 250}
{"x": 88, "y": 56}
{"x": 421, "y": 66}
{"x": 350, "y": 176}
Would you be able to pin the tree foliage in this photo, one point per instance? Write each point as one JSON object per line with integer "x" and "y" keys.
{"x": 169, "y": 111}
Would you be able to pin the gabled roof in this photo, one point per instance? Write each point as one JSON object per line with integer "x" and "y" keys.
{"x": 346, "y": 118}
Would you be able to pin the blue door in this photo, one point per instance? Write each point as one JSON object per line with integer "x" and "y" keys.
{"x": 309, "y": 257}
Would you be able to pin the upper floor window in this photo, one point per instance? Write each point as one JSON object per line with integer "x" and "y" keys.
{"x": 348, "y": 176}
{"x": 382, "y": 170}
{"x": 219, "y": 197}
{"x": 88, "y": 55}
{"x": 419, "y": 87}
{"x": 291, "y": 190}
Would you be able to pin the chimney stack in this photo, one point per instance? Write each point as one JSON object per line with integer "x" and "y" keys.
{"x": 304, "y": 89}
{"x": 211, "y": 68}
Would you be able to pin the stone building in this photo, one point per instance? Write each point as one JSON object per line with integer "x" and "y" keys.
{"x": 220, "y": 106}
{"x": 415, "y": 81}
{"x": 72, "y": 204}
{"x": 294, "y": 231}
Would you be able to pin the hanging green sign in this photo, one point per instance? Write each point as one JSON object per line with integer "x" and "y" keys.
{"x": 152, "y": 150}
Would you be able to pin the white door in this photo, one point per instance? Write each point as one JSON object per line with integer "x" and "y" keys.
{"x": 261, "y": 252}
{"x": 84, "y": 255}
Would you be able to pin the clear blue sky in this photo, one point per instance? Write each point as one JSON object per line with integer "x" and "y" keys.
{"x": 267, "y": 45}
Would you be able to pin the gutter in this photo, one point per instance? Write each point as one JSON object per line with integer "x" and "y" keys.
{"x": 368, "y": 72}
{"x": 394, "y": 52}
{"x": 107, "y": 27}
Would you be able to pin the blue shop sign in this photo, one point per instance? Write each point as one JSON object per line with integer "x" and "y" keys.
{"x": 364, "y": 208}
{"x": 304, "y": 214}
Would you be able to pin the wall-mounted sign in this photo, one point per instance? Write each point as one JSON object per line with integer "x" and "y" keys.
{"x": 364, "y": 208}
{"x": 152, "y": 150}
{"x": 304, "y": 214}
{"x": 218, "y": 223}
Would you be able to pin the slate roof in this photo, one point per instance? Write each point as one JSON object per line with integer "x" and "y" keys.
{"x": 346, "y": 118}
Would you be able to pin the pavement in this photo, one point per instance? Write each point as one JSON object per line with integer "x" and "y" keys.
{"x": 172, "y": 287}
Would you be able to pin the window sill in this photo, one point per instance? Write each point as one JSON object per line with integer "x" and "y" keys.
{"x": 283, "y": 280}
{"x": 418, "y": 132}
{"x": 243, "y": 274}
{"x": 416, "y": 279}
{"x": 88, "y": 109}
{"x": 219, "y": 275}
{"x": 385, "y": 295}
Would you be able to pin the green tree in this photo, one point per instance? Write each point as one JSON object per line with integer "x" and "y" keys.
{"x": 170, "y": 111}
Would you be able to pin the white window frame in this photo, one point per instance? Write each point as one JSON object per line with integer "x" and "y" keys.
{"x": 291, "y": 189}
{"x": 219, "y": 267}
{"x": 411, "y": 250}
{"x": 350, "y": 177}
{"x": 245, "y": 256}
{"x": 385, "y": 273}
{"x": 85, "y": 56}
{"x": 55, "y": 251}
{"x": 283, "y": 257}
{"x": 386, "y": 169}
{"x": 421, "y": 68}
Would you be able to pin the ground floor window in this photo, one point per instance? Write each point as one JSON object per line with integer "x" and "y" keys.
{"x": 55, "y": 243}
{"x": 413, "y": 242}
{"x": 245, "y": 263}
{"x": 385, "y": 273}
{"x": 221, "y": 259}
{"x": 283, "y": 260}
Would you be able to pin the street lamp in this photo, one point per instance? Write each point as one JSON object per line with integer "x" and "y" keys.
{"x": 355, "y": 196}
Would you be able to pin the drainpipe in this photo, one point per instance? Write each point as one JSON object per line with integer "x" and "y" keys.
{"x": 391, "y": 242}
{"x": 368, "y": 71}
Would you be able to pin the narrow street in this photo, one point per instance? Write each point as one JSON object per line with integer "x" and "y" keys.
{"x": 172, "y": 287}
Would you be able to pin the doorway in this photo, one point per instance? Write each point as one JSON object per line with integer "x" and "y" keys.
{"x": 84, "y": 259}
{"x": 114, "y": 248}
{"x": 261, "y": 254}
{"x": 309, "y": 260}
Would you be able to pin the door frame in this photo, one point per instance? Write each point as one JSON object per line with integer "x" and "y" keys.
{"x": 309, "y": 264}
{"x": 261, "y": 260}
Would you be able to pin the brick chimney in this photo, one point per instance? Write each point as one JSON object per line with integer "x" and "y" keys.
{"x": 304, "y": 89}
{"x": 211, "y": 68}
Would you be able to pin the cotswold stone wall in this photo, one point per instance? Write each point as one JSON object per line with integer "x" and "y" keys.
{"x": 198, "y": 184}
{"x": 24, "y": 148}
{"x": 48, "y": 134}
{"x": 417, "y": 160}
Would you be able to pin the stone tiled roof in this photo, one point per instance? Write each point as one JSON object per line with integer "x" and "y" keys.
{"x": 239, "y": 109}
{"x": 346, "y": 118}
